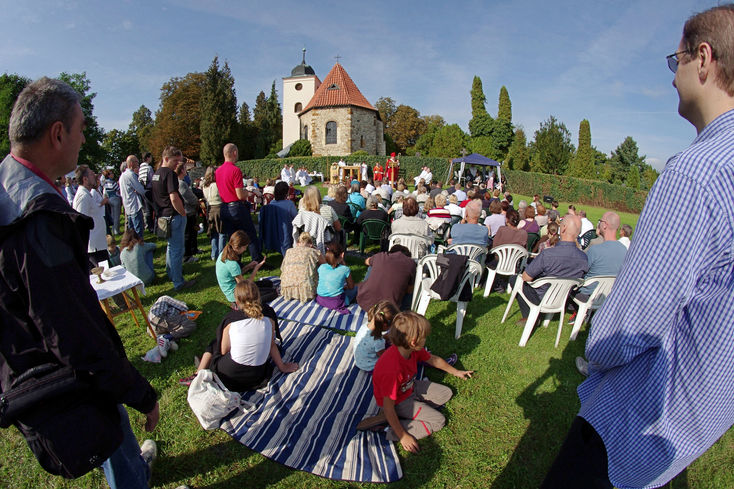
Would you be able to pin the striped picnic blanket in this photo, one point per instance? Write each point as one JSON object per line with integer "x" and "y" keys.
{"x": 306, "y": 420}
{"x": 317, "y": 315}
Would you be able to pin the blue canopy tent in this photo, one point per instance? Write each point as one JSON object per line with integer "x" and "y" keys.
{"x": 473, "y": 159}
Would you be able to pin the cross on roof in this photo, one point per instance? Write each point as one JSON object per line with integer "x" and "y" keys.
{"x": 337, "y": 57}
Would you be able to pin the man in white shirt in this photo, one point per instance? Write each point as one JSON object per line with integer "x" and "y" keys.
{"x": 285, "y": 174}
{"x": 86, "y": 204}
{"x": 460, "y": 194}
{"x": 132, "y": 195}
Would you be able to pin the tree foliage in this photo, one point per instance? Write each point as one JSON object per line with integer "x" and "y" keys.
{"x": 142, "y": 127}
{"x": 425, "y": 141}
{"x": 449, "y": 141}
{"x": 502, "y": 136}
{"x": 91, "y": 152}
{"x": 218, "y": 112}
{"x": 517, "y": 156}
{"x": 302, "y": 147}
{"x": 386, "y": 107}
{"x": 118, "y": 145}
{"x": 504, "y": 107}
{"x": 622, "y": 159}
{"x": 247, "y": 133}
{"x": 406, "y": 126}
{"x": 552, "y": 148}
{"x": 481, "y": 123}
{"x": 178, "y": 120}
{"x": 10, "y": 88}
{"x": 582, "y": 162}
{"x": 262, "y": 126}
{"x": 633, "y": 178}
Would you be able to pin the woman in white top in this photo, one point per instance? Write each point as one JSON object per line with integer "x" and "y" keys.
{"x": 245, "y": 344}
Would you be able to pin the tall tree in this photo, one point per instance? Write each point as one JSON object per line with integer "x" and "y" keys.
{"x": 10, "y": 88}
{"x": 275, "y": 120}
{"x": 91, "y": 152}
{"x": 142, "y": 126}
{"x": 481, "y": 123}
{"x": 262, "y": 125}
{"x": 552, "y": 148}
{"x": 246, "y": 133}
{"x": 502, "y": 136}
{"x": 504, "y": 107}
{"x": 406, "y": 126}
{"x": 218, "y": 112}
{"x": 582, "y": 162}
{"x": 117, "y": 145}
{"x": 178, "y": 120}
{"x": 449, "y": 141}
{"x": 633, "y": 178}
{"x": 386, "y": 107}
{"x": 425, "y": 141}
{"x": 517, "y": 156}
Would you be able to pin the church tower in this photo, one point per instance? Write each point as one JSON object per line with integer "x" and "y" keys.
{"x": 298, "y": 89}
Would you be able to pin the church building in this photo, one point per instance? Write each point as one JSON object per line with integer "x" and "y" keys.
{"x": 333, "y": 115}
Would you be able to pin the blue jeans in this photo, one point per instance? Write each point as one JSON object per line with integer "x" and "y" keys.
{"x": 218, "y": 242}
{"x": 236, "y": 216}
{"x": 175, "y": 251}
{"x": 126, "y": 468}
{"x": 135, "y": 222}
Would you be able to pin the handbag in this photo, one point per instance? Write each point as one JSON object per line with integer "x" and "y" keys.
{"x": 61, "y": 419}
{"x": 210, "y": 400}
{"x": 163, "y": 228}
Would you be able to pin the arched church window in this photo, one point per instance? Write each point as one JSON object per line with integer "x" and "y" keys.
{"x": 331, "y": 132}
{"x": 305, "y": 132}
{"x": 298, "y": 107}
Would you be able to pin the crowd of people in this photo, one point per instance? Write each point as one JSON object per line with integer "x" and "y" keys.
{"x": 658, "y": 356}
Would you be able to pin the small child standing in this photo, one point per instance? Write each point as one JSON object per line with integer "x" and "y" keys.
{"x": 369, "y": 343}
{"x": 403, "y": 398}
{"x": 334, "y": 279}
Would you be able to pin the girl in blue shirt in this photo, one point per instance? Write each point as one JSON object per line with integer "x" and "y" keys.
{"x": 228, "y": 270}
{"x": 368, "y": 343}
{"x": 334, "y": 279}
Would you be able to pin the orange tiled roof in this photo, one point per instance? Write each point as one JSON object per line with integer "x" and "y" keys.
{"x": 338, "y": 89}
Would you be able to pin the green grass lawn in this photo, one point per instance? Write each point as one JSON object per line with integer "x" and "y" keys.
{"x": 504, "y": 426}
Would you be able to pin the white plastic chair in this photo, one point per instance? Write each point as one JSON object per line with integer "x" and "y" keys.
{"x": 418, "y": 245}
{"x": 474, "y": 252}
{"x": 422, "y": 293}
{"x": 595, "y": 300}
{"x": 509, "y": 256}
{"x": 553, "y": 301}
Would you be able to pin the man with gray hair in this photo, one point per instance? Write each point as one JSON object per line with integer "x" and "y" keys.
{"x": 50, "y": 319}
{"x": 132, "y": 192}
{"x": 660, "y": 389}
{"x": 470, "y": 231}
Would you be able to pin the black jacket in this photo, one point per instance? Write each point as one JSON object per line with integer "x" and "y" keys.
{"x": 49, "y": 311}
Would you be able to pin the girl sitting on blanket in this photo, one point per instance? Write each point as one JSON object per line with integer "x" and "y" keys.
{"x": 245, "y": 343}
{"x": 369, "y": 344}
{"x": 298, "y": 275}
{"x": 229, "y": 272}
{"x": 336, "y": 288}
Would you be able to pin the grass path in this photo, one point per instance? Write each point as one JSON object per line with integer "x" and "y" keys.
{"x": 504, "y": 426}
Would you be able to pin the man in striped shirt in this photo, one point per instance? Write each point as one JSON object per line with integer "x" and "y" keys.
{"x": 660, "y": 389}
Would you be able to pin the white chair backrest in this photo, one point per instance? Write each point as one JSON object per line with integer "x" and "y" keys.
{"x": 555, "y": 297}
{"x": 416, "y": 244}
{"x": 603, "y": 287}
{"x": 509, "y": 256}
{"x": 474, "y": 252}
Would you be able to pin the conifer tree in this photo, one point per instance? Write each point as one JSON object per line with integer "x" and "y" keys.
{"x": 247, "y": 133}
{"x": 481, "y": 123}
{"x": 582, "y": 162}
{"x": 262, "y": 125}
{"x": 633, "y": 178}
{"x": 218, "y": 112}
{"x": 275, "y": 118}
{"x": 504, "y": 107}
{"x": 517, "y": 156}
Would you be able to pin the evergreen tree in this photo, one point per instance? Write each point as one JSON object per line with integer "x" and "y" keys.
{"x": 502, "y": 136}
{"x": 481, "y": 123}
{"x": 247, "y": 133}
{"x": 582, "y": 163}
{"x": 649, "y": 176}
{"x": 504, "y": 107}
{"x": 633, "y": 178}
{"x": 275, "y": 120}
{"x": 623, "y": 158}
{"x": 302, "y": 147}
{"x": 262, "y": 126}
{"x": 218, "y": 112}
{"x": 142, "y": 127}
{"x": 10, "y": 88}
{"x": 91, "y": 152}
{"x": 517, "y": 156}
{"x": 552, "y": 148}
{"x": 425, "y": 141}
{"x": 449, "y": 141}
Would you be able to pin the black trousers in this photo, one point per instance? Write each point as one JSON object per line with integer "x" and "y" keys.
{"x": 582, "y": 461}
{"x": 190, "y": 234}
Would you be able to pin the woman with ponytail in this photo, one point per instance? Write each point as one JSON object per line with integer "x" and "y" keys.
{"x": 369, "y": 344}
{"x": 244, "y": 351}
{"x": 229, "y": 272}
{"x": 336, "y": 288}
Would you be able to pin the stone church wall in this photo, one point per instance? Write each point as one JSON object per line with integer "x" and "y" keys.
{"x": 357, "y": 129}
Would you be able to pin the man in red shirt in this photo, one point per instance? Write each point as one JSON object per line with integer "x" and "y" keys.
{"x": 235, "y": 208}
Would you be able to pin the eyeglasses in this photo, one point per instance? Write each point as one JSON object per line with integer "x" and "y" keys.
{"x": 673, "y": 60}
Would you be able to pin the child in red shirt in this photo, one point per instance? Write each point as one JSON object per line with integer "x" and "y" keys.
{"x": 404, "y": 398}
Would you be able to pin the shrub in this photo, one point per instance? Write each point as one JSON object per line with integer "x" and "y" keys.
{"x": 302, "y": 147}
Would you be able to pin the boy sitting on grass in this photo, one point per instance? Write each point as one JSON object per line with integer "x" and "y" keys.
{"x": 408, "y": 403}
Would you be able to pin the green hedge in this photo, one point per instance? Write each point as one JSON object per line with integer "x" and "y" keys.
{"x": 562, "y": 188}
{"x": 576, "y": 190}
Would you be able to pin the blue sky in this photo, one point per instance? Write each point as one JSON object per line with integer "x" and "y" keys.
{"x": 603, "y": 61}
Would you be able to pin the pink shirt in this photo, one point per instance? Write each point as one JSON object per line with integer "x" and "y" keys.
{"x": 229, "y": 178}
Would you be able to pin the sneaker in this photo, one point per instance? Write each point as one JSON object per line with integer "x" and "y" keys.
{"x": 372, "y": 422}
{"x": 149, "y": 451}
{"x": 452, "y": 359}
{"x": 163, "y": 345}
{"x": 572, "y": 319}
{"x": 187, "y": 380}
{"x": 582, "y": 366}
